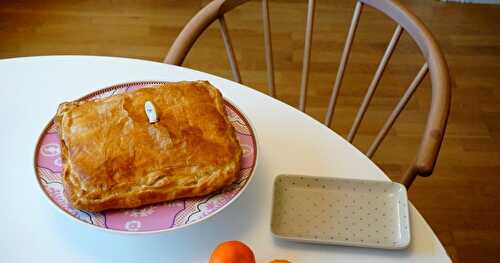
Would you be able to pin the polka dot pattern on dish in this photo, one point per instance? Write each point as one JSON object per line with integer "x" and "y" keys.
{"x": 340, "y": 211}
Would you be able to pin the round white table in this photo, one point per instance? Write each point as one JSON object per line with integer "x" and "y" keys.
{"x": 289, "y": 140}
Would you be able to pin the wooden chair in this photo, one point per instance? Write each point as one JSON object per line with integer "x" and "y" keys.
{"x": 434, "y": 64}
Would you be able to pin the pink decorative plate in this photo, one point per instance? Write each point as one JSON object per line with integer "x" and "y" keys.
{"x": 153, "y": 218}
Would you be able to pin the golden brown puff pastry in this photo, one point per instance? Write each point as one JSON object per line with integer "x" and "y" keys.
{"x": 114, "y": 158}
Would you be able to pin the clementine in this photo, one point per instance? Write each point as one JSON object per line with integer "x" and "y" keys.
{"x": 232, "y": 252}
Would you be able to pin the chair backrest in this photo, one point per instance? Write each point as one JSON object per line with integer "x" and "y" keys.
{"x": 434, "y": 64}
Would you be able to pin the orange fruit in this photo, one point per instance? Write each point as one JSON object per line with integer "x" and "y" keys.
{"x": 232, "y": 252}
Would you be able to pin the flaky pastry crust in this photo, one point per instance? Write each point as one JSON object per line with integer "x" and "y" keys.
{"x": 114, "y": 158}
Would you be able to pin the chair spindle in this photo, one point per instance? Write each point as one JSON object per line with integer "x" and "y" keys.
{"x": 397, "y": 110}
{"x": 373, "y": 85}
{"x": 268, "y": 47}
{"x": 343, "y": 62}
{"x": 307, "y": 54}
{"x": 229, "y": 49}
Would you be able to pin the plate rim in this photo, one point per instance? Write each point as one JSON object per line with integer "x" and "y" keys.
{"x": 147, "y": 232}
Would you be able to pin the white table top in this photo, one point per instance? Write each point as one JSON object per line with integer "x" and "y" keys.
{"x": 290, "y": 142}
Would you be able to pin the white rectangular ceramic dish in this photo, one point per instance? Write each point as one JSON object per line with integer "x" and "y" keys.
{"x": 337, "y": 211}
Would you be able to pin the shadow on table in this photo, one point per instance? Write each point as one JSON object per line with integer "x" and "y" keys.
{"x": 195, "y": 241}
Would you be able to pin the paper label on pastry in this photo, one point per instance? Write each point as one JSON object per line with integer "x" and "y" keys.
{"x": 149, "y": 107}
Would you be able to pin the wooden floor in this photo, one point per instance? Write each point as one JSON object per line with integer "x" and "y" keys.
{"x": 461, "y": 201}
